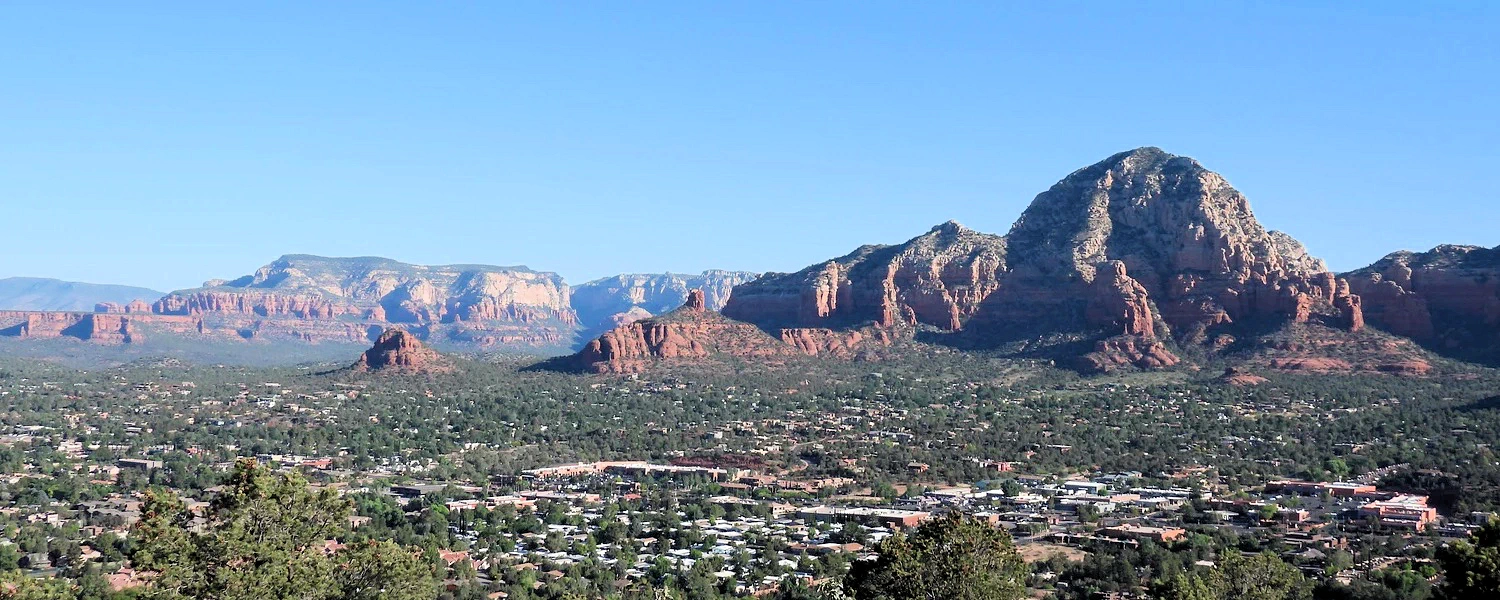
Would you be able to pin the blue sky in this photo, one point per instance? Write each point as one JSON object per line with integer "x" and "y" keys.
{"x": 165, "y": 144}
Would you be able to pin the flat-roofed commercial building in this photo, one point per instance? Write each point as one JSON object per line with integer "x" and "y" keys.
{"x": 880, "y": 517}
{"x": 1162, "y": 535}
{"x": 1314, "y": 488}
{"x": 1401, "y": 512}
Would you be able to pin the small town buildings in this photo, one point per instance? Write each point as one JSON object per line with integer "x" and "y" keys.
{"x": 1161, "y": 535}
{"x": 1401, "y": 512}
{"x": 879, "y": 517}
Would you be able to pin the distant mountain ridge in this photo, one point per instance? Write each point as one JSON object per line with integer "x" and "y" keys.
{"x": 608, "y": 302}
{"x": 38, "y": 293}
{"x": 315, "y": 298}
{"x": 301, "y": 298}
{"x": 380, "y": 289}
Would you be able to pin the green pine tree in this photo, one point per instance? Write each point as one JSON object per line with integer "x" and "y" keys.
{"x": 955, "y": 557}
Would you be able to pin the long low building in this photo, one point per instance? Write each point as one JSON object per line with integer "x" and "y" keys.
{"x": 879, "y": 517}
{"x": 1315, "y": 488}
{"x": 1401, "y": 512}
{"x": 645, "y": 468}
{"x": 629, "y": 467}
{"x": 549, "y": 496}
{"x": 417, "y": 490}
{"x": 1177, "y": 493}
{"x": 776, "y": 508}
{"x": 572, "y": 470}
{"x": 1161, "y": 535}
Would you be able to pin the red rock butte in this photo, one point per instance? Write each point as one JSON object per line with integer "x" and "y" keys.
{"x": 400, "y": 351}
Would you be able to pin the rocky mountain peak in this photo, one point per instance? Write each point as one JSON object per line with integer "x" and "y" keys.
{"x": 1153, "y": 210}
{"x": 1442, "y": 256}
{"x": 1145, "y": 159}
{"x": 1143, "y": 246}
{"x": 950, "y": 227}
{"x": 1295, "y": 254}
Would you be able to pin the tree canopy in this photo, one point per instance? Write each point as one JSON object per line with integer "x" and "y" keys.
{"x": 1472, "y": 570}
{"x": 954, "y": 557}
{"x": 269, "y": 536}
{"x": 1238, "y": 576}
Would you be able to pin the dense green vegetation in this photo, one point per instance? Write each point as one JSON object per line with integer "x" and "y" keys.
{"x": 265, "y": 537}
{"x": 965, "y": 410}
{"x": 1472, "y": 570}
{"x": 956, "y": 414}
{"x": 952, "y": 557}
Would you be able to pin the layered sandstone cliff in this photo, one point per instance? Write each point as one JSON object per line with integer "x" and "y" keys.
{"x": 314, "y": 287}
{"x": 310, "y": 299}
{"x": 313, "y": 298}
{"x": 136, "y": 307}
{"x": 1448, "y": 297}
{"x": 96, "y": 327}
{"x": 113, "y": 327}
{"x": 940, "y": 279}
